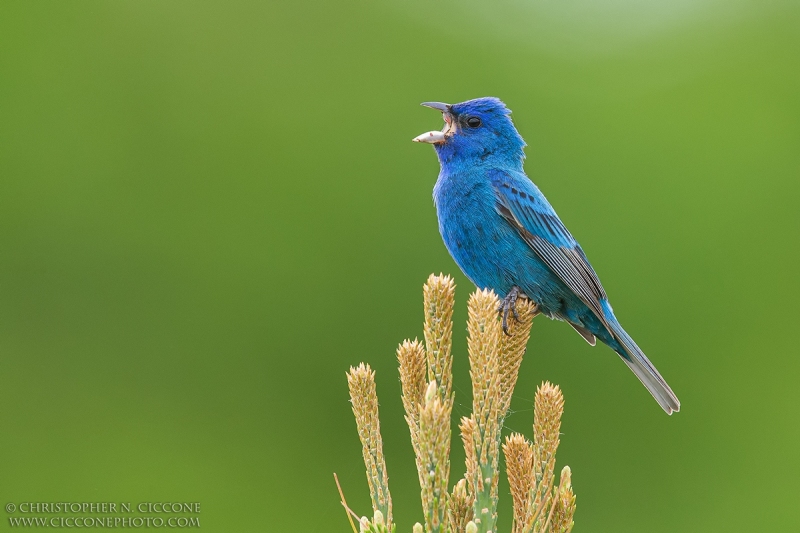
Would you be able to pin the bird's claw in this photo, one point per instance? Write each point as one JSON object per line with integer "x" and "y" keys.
{"x": 509, "y": 305}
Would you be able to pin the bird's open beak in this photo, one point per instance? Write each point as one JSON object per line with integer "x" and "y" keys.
{"x": 434, "y": 137}
{"x": 439, "y": 106}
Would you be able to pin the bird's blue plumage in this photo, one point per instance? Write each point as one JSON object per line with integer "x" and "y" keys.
{"x": 503, "y": 233}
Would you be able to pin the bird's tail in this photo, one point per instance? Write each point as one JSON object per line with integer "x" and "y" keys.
{"x": 641, "y": 365}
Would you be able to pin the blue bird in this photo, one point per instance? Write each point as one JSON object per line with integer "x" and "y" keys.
{"x": 504, "y": 235}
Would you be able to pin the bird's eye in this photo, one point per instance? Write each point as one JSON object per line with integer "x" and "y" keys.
{"x": 473, "y": 122}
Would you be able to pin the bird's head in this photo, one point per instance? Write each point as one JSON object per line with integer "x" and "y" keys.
{"x": 478, "y": 130}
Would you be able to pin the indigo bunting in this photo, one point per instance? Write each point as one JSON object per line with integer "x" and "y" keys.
{"x": 504, "y": 235}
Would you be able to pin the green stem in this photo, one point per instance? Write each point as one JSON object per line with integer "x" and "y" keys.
{"x": 486, "y": 502}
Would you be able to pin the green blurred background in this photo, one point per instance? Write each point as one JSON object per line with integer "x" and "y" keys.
{"x": 209, "y": 210}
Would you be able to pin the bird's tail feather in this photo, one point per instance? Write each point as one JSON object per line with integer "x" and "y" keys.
{"x": 643, "y": 368}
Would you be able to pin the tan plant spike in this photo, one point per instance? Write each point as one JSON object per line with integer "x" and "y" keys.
{"x": 412, "y": 359}
{"x": 361, "y": 382}
{"x": 468, "y": 431}
{"x": 484, "y": 336}
{"x": 439, "y": 297}
{"x": 512, "y": 349}
{"x": 434, "y": 445}
{"x": 483, "y": 344}
{"x": 564, "y": 504}
{"x": 548, "y": 408}
{"x": 459, "y": 507}
{"x": 411, "y": 356}
{"x": 519, "y": 466}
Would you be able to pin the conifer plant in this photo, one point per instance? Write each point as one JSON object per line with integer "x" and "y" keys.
{"x": 539, "y": 504}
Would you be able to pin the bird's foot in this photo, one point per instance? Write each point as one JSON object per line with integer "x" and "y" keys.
{"x": 509, "y": 305}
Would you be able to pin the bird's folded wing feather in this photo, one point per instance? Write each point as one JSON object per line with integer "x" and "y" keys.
{"x": 526, "y": 209}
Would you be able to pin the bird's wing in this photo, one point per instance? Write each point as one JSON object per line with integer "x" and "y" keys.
{"x": 521, "y": 204}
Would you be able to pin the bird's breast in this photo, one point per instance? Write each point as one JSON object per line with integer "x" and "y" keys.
{"x": 473, "y": 232}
